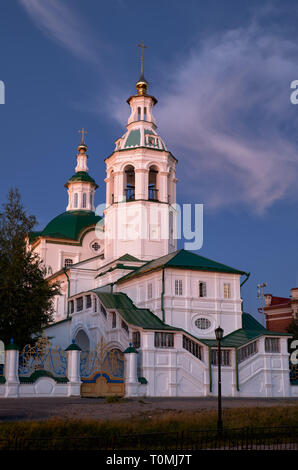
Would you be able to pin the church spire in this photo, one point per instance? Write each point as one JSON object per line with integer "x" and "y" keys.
{"x": 81, "y": 187}
{"x": 142, "y": 84}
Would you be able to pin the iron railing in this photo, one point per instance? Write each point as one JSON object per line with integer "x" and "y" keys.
{"x": 153, "y": 194}
{"x": 265, "y": 438}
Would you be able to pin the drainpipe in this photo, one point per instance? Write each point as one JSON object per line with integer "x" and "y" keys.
{"x": 210, "y": 370}
{"x": 162, "y": 294}
{"x": 237, "y": 371}
{"x": 246, "y": 279}
{"x": 68, "y": 290}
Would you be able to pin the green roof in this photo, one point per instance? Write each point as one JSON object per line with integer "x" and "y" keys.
{"x": 82, "y": 176}
{"x": 68, "y": 225}
{"x": 183, "y": 259}
{"x": 133, "y": 139}
{"x": 133, "y": 315}
{"x": 128, "y": 257}
{"x": 251, "y": 329}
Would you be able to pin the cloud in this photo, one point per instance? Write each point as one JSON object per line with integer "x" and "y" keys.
{"x": 226, "y": 113}
{"x": 228, "y": 117}
{"x": 61, "y": 24}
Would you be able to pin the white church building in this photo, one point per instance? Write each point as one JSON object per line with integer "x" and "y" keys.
{"x": 124, "y": 282}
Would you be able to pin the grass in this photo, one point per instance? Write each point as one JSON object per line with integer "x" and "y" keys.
{"x": 113, "y": 399}
{"x": 164, "y": 421}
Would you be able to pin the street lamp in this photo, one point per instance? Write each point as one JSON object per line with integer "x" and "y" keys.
{"x": 219, "y": 335}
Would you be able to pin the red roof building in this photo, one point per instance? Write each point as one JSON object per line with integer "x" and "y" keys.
{"x": 281, "y": 311}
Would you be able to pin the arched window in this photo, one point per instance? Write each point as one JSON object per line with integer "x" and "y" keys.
{"x": 139, "y": 114}
{"x": 129, "y": 183}
{"x": 91, "y": 199}
{"x": 75, "y": 200}
{"x": 84, "y": 200}
{"x": 152, "y": 187}
{"x": 145, "y": 114}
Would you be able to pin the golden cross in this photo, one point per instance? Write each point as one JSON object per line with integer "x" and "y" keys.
{"x": 142, "y": 46}
{"x": 83, "y": 132}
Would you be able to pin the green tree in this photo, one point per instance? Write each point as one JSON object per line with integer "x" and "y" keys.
{"x": 293, "y": 329}
{"x": 25, "y": 296}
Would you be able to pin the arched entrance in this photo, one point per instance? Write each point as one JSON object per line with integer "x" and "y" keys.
{"x": 82, "y": 340}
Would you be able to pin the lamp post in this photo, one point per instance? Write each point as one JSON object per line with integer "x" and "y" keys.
{"x": 219, "y": 335}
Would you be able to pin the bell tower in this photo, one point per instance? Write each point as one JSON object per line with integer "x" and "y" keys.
{"x": 81, "y": 187}
{"x": 140, "y": 186}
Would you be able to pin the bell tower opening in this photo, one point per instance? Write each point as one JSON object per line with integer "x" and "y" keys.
{"x": 129, "y": 183}
{"x": 152, "y": 183}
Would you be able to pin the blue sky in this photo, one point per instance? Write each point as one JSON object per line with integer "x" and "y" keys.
{"x": 221, "y": 71}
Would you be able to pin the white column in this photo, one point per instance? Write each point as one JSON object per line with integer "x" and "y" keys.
{"x": 11, "y": 370}
{"x": 163, "y": 186}
{"x": 73, "y": 370}
{"x": 140, "y": 190}
{"x": 130, "y": 372}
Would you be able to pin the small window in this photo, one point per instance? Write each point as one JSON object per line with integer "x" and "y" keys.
{"x": 227, "y": 291}
{"x": 114, "y": 320}
{"x": 84, "y": 200}
{"x": 68, "y": 262}
{"x": 75, "y": 200}
{"x": 124, "y": 326}
{"x": 272, "y": 345}
{"x": 225, "y": 357}
{"x": 139, "y": 114}
{"x": 95, "y": 247}
{"x": 71, "y": 306}
{"x": 103, "y": 310}
{"x": 145, "y": 114}
{"x": 247, "y": 351}
{"x": 178, "y": 287}
{"x": 149, "y": 291}
{"x": 90, "y": 199}
{"x": 136, "y": 339}
{"x": 95, "y": 304}
{"x": 202, "y": 289}
{"x": 80, "y": 304}
{"x": 88, "y": 301}
{"x": 203, "y": 323}
{"x": 164, "y": 340}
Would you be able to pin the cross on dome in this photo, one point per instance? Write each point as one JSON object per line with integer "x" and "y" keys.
{"x": 83, "y": 132}
{"x": 142, "y": 83}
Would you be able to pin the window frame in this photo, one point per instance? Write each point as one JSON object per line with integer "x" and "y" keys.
{"x": 149, "y": 291}
{"x": 79, "y": 300}
{"x": 178, "y": 287}
{"x": 228, "y": 284}
{"x": 271, "y": 341}
{"x": 202, "y": 284}
{"x": 114, "y": 320}
{"x": 225, "y": 353}
{"x": 164, "y": 340}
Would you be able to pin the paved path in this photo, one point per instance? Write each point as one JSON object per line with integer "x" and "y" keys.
{"x": 96, "y": 408}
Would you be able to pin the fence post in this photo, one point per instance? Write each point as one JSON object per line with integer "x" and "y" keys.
{"x": 130, "y": 371}
{"x": 73, "y": 369}
{"x": 11, "y": 370}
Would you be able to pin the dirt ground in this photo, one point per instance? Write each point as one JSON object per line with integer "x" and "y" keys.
{"x": 16, "y": 409}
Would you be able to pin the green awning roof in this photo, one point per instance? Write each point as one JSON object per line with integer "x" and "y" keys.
{"x": 133, "y": 315}
{"x": 251, "y": 329}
